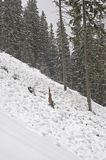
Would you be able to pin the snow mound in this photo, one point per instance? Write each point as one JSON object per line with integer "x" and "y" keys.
{"x": 69, "y": 125}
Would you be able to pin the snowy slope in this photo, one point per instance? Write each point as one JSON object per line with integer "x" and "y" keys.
{"x": 69, "y": 125}
{"x": 18, "y": 143}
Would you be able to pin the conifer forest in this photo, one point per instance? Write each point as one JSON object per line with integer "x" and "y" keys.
{"x": 26, "y": 35}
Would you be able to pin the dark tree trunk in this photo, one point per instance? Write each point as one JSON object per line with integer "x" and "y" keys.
{"x": 63, "y": 58}
{"x": 88, "y": 92}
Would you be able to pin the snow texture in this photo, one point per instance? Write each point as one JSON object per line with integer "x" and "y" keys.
{"x": 69, "y": 125}
{"x": 18, "y": 143}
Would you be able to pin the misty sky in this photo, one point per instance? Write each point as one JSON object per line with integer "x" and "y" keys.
{"x": 49, "y": 8}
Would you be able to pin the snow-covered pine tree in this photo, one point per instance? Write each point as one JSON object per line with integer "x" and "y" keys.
{"x": 12, "y": 21}
{"x": 31, "y": 33}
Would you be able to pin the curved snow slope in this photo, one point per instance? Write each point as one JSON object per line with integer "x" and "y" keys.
{"x": 18, "y": 143}
{"x": 69, "y": 125}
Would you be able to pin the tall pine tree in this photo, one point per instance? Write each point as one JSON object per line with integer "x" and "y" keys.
{"x": 67, "y": 59}
{"x": 52, "y": 56}
{"x": 44, "y": 45}
{"x": 95, "y": 47}
{"x": 12, "y": 21}
{"x": 31, "y": 33}
{"x": 1, "y": 23}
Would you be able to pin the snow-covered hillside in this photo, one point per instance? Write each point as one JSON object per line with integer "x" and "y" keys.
{"x": 69, "y": 125}
{"x": 18, "y": 143}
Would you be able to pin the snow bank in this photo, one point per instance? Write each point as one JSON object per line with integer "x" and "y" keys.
{"x": 69, "y": 125}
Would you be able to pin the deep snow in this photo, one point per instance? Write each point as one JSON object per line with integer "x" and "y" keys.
{"x": 69, "y": 125}
{"x": 18, "y": 143}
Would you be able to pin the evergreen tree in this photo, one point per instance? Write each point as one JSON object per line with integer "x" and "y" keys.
{"x": 12, "y": 21}
{"x": 31, "y": 33}
{"x": 44, "y": 34}
{"x": 64, "y": 76}
{"x": 88, "y": 89}
{"x": 77, "y": 57}
{"x": 67, "y": 59}
{"x": 95, "y": 47}
{"x": 52, "y": 56}
{"x": 62, "y": 44}
{"x": 44, "y": 45}
{"x": 1, "y": 22}
{"x": 96, "y": 60}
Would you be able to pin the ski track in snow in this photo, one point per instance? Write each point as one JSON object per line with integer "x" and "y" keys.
{"x": 69, "y": 125}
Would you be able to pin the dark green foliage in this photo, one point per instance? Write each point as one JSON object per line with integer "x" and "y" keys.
{"x": 31, "y": 33}
{"x": 96, "y": 50}
{"x": 67, "y": 60}
{"x": 44, "y": 34}
{"x": 95, "y": 47}
{"x": 1, "y": 22}
{"x": 25, "y": 35}
{"x": 52, "y": 57}
{"x": 77, "y": 58}
{"x": 12, "y": 22}
{"x": 44, "y": 45}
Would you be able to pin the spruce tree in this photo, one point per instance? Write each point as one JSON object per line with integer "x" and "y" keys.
{"x": 77, "y": 57}
{"x": 44, "y": 45}
{"x": 96, "y": 57}
{"x": 52, "y": 56}
{"x": 12, "y": 19}
{"x": 88, "y": 89}
{"x": 61, "y": 38}
{"x": 31, "y": 33}
{"x": 1, "y": 23}
{"x": 67, "y": 60}
{"x": 95, "y": 47}
{"x": 44, "y": 34}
